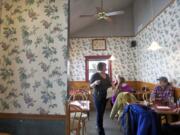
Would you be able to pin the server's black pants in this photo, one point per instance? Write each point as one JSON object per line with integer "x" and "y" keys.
{"x": 100, "y": 105}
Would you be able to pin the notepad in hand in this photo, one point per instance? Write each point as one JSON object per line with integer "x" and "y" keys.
{"x": 163, "y": 107}
{"x": 109, "y": 93}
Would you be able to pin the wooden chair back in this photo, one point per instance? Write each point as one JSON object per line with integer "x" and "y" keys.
{"x": 78, "y": 96}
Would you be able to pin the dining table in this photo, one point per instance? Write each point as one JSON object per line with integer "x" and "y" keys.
{"x": 167, "y": 111}
{"x": 162, "y": 111}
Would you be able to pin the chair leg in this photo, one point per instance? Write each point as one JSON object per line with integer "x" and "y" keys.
{"x": 88, "y": 115}
{"x": 77, "y": 132}
{"x": 83, "y": 122}
{"x": 85, "y": 127}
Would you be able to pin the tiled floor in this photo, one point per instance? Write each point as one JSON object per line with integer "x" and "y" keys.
{"x": 110, "y": 126}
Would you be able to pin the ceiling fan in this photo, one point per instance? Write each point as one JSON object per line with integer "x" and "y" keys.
{"x": 101, "y": 14}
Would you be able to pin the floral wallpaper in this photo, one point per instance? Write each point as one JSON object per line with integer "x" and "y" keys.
{"x": 137, "y": 63}
{"x": 33, "y": 55}
{"x": 118, "y": 47}
{"x": 165, "y": 30}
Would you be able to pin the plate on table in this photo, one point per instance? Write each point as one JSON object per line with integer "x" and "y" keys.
{"x": 163, "y": 107}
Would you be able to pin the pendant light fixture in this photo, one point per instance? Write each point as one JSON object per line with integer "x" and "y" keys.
{"x": 154, "y": 44}
{"x": 112, "y": 58}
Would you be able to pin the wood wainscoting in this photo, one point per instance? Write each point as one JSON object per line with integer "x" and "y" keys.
{"x": 137, "y": 85}
{"x": 73, "y": 85}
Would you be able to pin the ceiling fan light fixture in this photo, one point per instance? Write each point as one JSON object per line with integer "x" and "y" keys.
{"x": 101, "y": 15}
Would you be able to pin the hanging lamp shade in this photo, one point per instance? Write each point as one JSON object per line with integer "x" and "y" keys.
{"x": 112, "y": 58}
{"x": 154, "y": 46}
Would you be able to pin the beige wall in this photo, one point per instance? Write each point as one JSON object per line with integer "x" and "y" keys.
{"x": 118, "y": 47}
{"x": 165, "y": 30}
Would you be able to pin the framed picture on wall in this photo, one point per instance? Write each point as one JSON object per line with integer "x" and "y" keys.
{"x": 98, "y": 44}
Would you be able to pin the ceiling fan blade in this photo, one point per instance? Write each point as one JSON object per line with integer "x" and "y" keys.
{"x": 86, "y": 15}
{"x": 115, "y": 13}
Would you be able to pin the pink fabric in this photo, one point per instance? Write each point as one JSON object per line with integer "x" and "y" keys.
{"x": 122, "y": 88}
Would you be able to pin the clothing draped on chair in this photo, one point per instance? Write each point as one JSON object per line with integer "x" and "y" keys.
{"x": 121, "y": 101}
{"x": 139, "y": 120}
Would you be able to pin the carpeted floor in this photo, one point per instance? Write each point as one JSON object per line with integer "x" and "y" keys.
{"x": 110, "y": 126}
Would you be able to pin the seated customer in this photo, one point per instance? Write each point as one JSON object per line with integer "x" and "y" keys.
{"x": 164, "y": 92}
{"x": 122, "y": 100}
{"x": 120, "y": 86}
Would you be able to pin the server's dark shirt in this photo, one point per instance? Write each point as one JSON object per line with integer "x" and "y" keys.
{"x": 101, "y": 89}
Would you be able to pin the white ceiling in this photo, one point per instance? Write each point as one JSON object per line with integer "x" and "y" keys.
{"x": 80, "y": 7}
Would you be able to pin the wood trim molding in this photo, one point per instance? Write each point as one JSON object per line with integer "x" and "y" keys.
{"x": 0, "y": 13}
{"x": 32, "y": 116}
{"x": 87, "y": 58}
{"x": 94, "y": 37}
{"x": 67, "y": 119}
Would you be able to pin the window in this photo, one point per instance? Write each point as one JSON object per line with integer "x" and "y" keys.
{"x": 91, "y": 64}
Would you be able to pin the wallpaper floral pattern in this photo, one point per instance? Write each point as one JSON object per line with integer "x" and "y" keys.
{"x": 33, "y": 55}
{"x": 165, "y": 30}
{"x": 118, "y": 47}
{"x": 138, "y": 63}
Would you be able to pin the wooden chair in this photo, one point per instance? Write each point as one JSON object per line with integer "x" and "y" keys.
{"x": 75, "y": 122}
{"x": 146, "y": 96}
{"x": 78, "y": 96}
{"x": 87, "y": 93}
{"x": 85, "y": 115}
